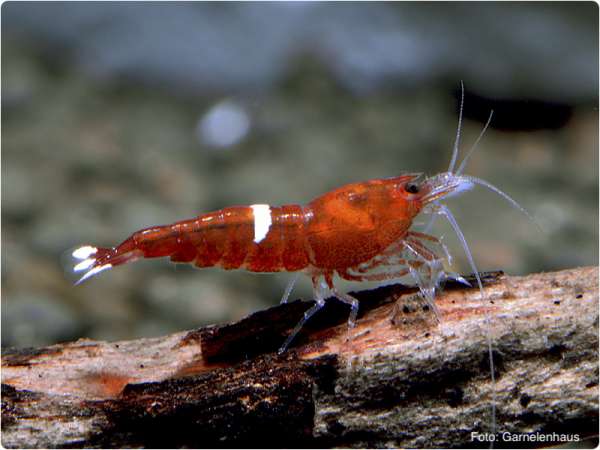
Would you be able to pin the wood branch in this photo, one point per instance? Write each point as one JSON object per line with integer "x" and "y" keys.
{"x": 403, "y": 380}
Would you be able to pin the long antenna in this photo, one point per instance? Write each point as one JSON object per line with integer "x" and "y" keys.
{"x": 458, "y": 129}
{"x": 454, "y": 148}
{"x": 474, "y": 146}
{"x": 502, "y": 194}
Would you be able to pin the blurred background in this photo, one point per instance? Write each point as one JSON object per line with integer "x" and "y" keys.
{"x": 119, "y": 116}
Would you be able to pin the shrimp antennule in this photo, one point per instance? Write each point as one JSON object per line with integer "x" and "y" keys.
{"x": 458, "y": 129}
{"x": 474, "y": 146}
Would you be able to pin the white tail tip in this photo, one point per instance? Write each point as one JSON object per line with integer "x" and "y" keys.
{"x": 84, "y": 265}
{"x": 92, "y": 272}
{"x": 84, "y": 252}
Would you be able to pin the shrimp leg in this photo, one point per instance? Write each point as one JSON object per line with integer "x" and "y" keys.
{"x": 288, "y": 289}
{"x": 426, "y": 275}
{"x": 415, "y": 238}
{"x": 346, "y": 275}
{"x": 353, "y": 302}
{"x": 383, "y": 259}
{"x": 320, "y": 288}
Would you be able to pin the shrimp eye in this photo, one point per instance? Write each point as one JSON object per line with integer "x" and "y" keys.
{"x": 411, "y": 188}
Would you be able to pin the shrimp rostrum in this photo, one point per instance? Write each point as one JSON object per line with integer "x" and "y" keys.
{"x": 358, "y": 232}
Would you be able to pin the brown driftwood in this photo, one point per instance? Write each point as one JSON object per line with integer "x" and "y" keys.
{"x": 401, "y": 381}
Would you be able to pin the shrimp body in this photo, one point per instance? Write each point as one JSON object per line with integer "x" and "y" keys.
{"x": 336, "y": 231}
{"x": 359, "y": 232}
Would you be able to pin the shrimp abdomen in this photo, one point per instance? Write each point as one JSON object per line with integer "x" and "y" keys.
{"x": 258, "y": 238}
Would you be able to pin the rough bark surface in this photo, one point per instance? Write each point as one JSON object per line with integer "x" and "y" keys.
{"x": 403, "y": 380}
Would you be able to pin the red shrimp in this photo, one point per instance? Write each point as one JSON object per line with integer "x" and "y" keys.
{"x": 335, "y": 234}
{"x": 359, "y": 232}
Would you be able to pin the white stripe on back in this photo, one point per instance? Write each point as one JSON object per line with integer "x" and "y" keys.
{"x": 262, "y": 221}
